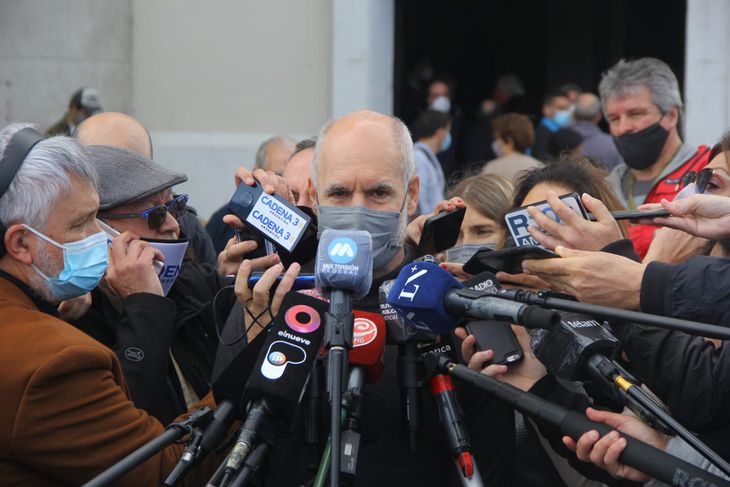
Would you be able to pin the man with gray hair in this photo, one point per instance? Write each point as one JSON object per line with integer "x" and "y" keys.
{"x": 274, "y": 153}
{"x": 364, "y": 178}
{"x": 643, "y": 107}
{"x": 596, "y": 144}
{"x": 66, "y": 413}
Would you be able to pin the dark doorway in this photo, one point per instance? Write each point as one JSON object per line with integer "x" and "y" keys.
{"x": 545, "y": 42}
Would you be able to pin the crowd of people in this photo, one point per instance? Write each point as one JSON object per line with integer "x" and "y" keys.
{"x": 102, "y": 349}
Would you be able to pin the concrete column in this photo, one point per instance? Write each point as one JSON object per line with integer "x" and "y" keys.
{"x": 363, "y": 34}
{"x": 707, "y": 75}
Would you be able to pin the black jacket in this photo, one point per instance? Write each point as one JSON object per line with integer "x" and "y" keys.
{"x": 687, "y": 372}
{"x": 384, "y": 458}
{"x": 152, "y": 328}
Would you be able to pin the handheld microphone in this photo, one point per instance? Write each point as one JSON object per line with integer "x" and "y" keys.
{"x": 287, "y": 355}
{"x": 344, "y": 262}
{"x": 276, "y": 385}
{"x": 400, "y": 329}
{"x": 368, "y": 345}
{"x": 566, "y": 349}
{"x": 366, "y": 365}
{"x": 344, "y": 269}
{"x": 407, "y": 336}
{"x": 429, "y": 296}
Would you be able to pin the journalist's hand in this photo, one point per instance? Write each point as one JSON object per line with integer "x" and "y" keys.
{"x": 701, "y": 215}
{"x": 575, "y": 231}
{"x": 415, "y": 228}
{"x": 675, "y": 246}
{"x": 130, "y": 268}
{"x": 230, "y": 258}
{"x": 604, "y": 452}
{"x": 592, "y": 277}
{"x": 75, "y": 308}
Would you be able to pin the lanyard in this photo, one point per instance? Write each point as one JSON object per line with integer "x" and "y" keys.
{"x": 632, "y": 181}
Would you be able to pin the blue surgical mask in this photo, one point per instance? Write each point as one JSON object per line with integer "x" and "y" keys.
{"x": 446, "y": 143}
{"x": 563, "y": 118}
{"x": 497, "y": 148}
{"x": 84, "y": 264}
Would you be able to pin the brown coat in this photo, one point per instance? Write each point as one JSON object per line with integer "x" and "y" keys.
{"x": 65, "y": 414}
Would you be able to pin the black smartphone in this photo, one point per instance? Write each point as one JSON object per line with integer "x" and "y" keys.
{"x": 498, "y": 337}
{"x": 507, "y": 260}
{"x": 633, "y": 214}
{"x": 271, "y": 216}
{"x": 440, "y": 232}
{"x": 302, "y": 281}
{"x": 263, "y": 246}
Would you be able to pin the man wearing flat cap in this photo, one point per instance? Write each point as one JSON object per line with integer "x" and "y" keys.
{"x": 165, "y": 341}
{"x": 162, "y": 329}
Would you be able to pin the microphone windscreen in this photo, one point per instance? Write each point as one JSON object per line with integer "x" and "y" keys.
{"x": 400, "y": 329}
{"x": 368, "y": 344}
{"x": 344, "y": 262}
{"x": 565, "y": 348}
{"x": 287, "y": 356}
{"x": 485, "y": 282}
{"x": 418, "y": 295}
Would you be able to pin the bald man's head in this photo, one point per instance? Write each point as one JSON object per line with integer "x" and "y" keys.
{"x": 366, "y": 133}
{"x": 117, "y": 130}
{"x": 587, "y": 108}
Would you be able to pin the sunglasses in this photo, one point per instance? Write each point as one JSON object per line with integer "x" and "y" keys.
{"x": 156, "y": 215}
{"x": 703, "y": 178}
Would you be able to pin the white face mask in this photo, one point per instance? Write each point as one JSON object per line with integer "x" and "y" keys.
{"x": 174, "y": 252}
{"x": 441, "y": 104}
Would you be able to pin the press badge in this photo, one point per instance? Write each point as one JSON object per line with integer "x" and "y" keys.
{"x": 518, "y": 220}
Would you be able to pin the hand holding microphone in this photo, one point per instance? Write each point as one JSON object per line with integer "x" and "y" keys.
{"x": 604, "y": 451}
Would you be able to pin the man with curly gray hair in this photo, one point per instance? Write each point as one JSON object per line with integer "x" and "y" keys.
{"x": 643, "y": 107}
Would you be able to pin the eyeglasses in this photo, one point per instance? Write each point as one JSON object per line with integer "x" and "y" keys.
{"x": 155, "y": 216}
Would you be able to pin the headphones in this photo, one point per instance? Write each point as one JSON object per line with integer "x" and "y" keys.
{"x": 15, "y": 153}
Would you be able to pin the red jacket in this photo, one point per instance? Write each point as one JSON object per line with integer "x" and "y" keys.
{"x": 666, "y": 188}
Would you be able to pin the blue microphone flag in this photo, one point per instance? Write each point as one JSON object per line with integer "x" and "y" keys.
{"x": 418, "y": 294}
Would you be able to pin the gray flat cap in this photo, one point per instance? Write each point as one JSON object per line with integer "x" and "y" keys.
{"x": 126, "y": 176}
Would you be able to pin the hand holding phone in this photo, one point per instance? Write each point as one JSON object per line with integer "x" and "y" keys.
{"x": 562, "y": 225}
{"x": 506, "y": 260}
{"x": 519, "y": 219}
{"x": 112, "y": 233}
{"x": 440, "y": 232}
{"x": 498, "y": 337}
{"x": 271, "y": 216}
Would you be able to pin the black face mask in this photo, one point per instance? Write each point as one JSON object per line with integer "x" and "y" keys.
{"x": 641, "y": 149}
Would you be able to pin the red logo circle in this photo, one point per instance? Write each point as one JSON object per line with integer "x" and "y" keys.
{"x": 364, "y": 332}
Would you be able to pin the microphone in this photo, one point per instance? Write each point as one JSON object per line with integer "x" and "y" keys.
{"x": 344, "y": 262}
{"x": 368, "y": 345}
{"x": 566, "y": 349}
{"x": 202, "y": 444}
{"x": 429, "y": 296}
{"x": 276, "y": 384}
{"x": 366, "y": 366}
{"x": 343, "y": 271}
{"x": 452, "y": 419}
{"x": 450, "y": 412}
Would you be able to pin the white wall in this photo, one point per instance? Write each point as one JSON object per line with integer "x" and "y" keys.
{"x": 50, "y": 48}
{"x": 707, "y": 71}
{"x": 212, "y": 80}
